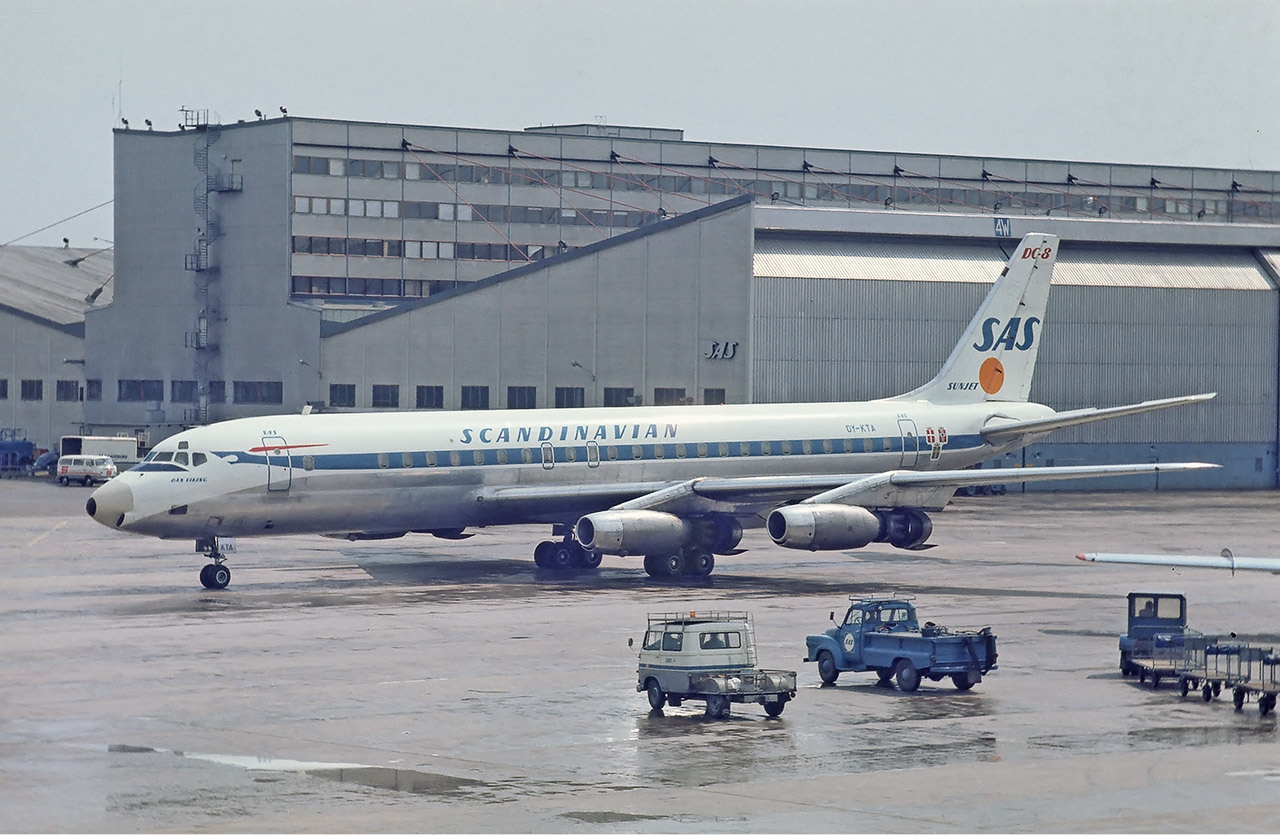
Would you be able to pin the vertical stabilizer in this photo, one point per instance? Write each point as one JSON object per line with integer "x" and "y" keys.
{"x": 996, "y": 355}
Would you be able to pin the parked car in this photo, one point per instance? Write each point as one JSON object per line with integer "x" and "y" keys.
{"x": 85, "y": 469}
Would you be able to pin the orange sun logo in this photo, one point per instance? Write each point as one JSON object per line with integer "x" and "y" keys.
{"x": 991, "y": 375}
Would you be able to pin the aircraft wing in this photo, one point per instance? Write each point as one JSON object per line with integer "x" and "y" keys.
{"x": 1226, "y": 560}
{"x": 1006, "y": 429}
{"x": 749, "y": 494}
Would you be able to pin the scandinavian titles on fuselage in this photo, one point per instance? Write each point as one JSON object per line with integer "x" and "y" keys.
{"x": 566, "y": 432}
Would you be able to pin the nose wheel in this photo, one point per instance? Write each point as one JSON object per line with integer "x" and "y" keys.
{"x": 215, "y": 575}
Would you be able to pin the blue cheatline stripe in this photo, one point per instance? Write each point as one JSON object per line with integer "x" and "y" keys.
{"x": 455, "y": 458}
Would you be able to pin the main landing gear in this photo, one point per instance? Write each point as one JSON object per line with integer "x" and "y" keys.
{"x": 687, "y": 562}
{"x": 215, "y": 575}
{"x": 564, "y": 555}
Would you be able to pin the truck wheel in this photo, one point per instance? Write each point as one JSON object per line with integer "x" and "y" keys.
{"x": 1184, "y": 686}
{"x": 1207, "y": 693}
{"x": 827, "y": 668}
{"x": 675, "y": 701}
{"x": 775, "y": 708}
{"x": 1237, "y": 697}
{"x": 657, "y": 699}
{"x": 717, "y": 707}
{"x": 907, "y": 676}
{"x": 63, "y": 480}
{"x": 962, "y": 682}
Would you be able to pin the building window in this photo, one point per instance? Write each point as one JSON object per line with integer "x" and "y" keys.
{"x": 620, "y": 397}
{"x": 342, "y": 394}
{"x": 33, "y": 389}
{"x": 67, "y": 391}
{"x": 92, "y": 389}
{"x": 475, "y": 397}
{"x": 217, "y": 391}
{"x": 522, "y": 397}
{"x": 386, "y": 397}
{"x": 4, "y": 389}
{"x": 668, "y": 397}
{"x": 257, "y": 391}
{"x": 430, "y": 397}
{"x": 182, "y": 391}
{"x": 139, "y": 391}
{"x": 570, "y": 397}
{"x": 713, "y": 397}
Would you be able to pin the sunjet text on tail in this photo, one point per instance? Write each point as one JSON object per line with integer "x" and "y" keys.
{"x": 674, "y": 485}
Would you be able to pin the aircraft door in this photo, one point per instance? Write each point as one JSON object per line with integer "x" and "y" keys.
{"x": 910, "y": 442}
{"x": 279, "y": 469}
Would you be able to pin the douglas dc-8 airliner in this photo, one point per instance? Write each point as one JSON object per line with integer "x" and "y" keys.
{"x": 674, "y": 484}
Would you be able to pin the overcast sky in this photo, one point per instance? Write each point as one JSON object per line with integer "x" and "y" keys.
{"x": 1177, "y": 82}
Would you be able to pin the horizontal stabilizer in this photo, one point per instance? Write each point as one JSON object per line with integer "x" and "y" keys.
{"x": 1002, "y": 431}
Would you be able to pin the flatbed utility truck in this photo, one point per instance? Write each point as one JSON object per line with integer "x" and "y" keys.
{"x": 882, "y": 635}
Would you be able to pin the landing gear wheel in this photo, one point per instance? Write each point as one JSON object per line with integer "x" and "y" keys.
{"x": 699, "y": 563}
{"x": 584, "y": 558}
{"x": 540, "y": 554}
{"x": 215, "y": 576}
{"x": 774, "y": 709}
{"x": 962, "y": 681}
{"x": 657, "y": 699}
{"x": 717, "y": 707}
{"x": 664, "y": 567}
{"x": 907, "y": 676}
{"x": 560, "y": 555}
{"x": 827, "y": 668}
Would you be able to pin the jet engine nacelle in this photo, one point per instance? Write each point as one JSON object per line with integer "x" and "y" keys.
{"x": 821, "y": 527}
{"x": 825, "y": 527}
{"x": 624, "y": 532}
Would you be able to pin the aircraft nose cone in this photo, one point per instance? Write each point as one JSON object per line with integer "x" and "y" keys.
{"x": 109, "y": 503}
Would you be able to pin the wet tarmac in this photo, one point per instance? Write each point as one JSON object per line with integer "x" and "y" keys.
{"x": 425, "y": 685}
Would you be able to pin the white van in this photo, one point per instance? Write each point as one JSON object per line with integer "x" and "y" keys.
{"x": 85, "y": 469}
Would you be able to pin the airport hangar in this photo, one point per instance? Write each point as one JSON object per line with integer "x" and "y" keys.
{"x": 271, "y": 264}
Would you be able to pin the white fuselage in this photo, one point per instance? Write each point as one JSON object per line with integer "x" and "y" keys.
{"x": 418, "y": 471}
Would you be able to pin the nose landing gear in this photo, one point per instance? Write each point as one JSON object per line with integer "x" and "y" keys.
{"x": 215, "y": 575}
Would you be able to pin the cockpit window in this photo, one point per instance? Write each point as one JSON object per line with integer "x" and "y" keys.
{"x": 180, "y": 458}
{"x": 198, "y": 458}
{"x": 160, "y": 456}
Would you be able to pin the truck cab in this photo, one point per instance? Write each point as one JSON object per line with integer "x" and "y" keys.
{"x": 1150, "y": 614}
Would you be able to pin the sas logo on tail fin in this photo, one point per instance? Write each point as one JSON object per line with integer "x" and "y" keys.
{"x": 1008, "y": 338}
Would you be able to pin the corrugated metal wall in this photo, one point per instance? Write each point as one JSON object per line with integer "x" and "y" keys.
{"x": 1123, "y": 325}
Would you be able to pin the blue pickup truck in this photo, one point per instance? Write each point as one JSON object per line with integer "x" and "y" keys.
{"x": 882, "y": 634}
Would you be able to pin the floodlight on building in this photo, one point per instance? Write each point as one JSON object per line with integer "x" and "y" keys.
{"x": 147, "y": 122}
{"x": 258, "y": 113}
{"x": 282, "y": 110}
{"x": 93, "y": 297}
{"x": 124, "y": 122}
{"x": 75, "y": 262}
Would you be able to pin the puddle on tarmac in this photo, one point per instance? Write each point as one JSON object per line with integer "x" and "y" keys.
{"x": 377, "y": 777}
